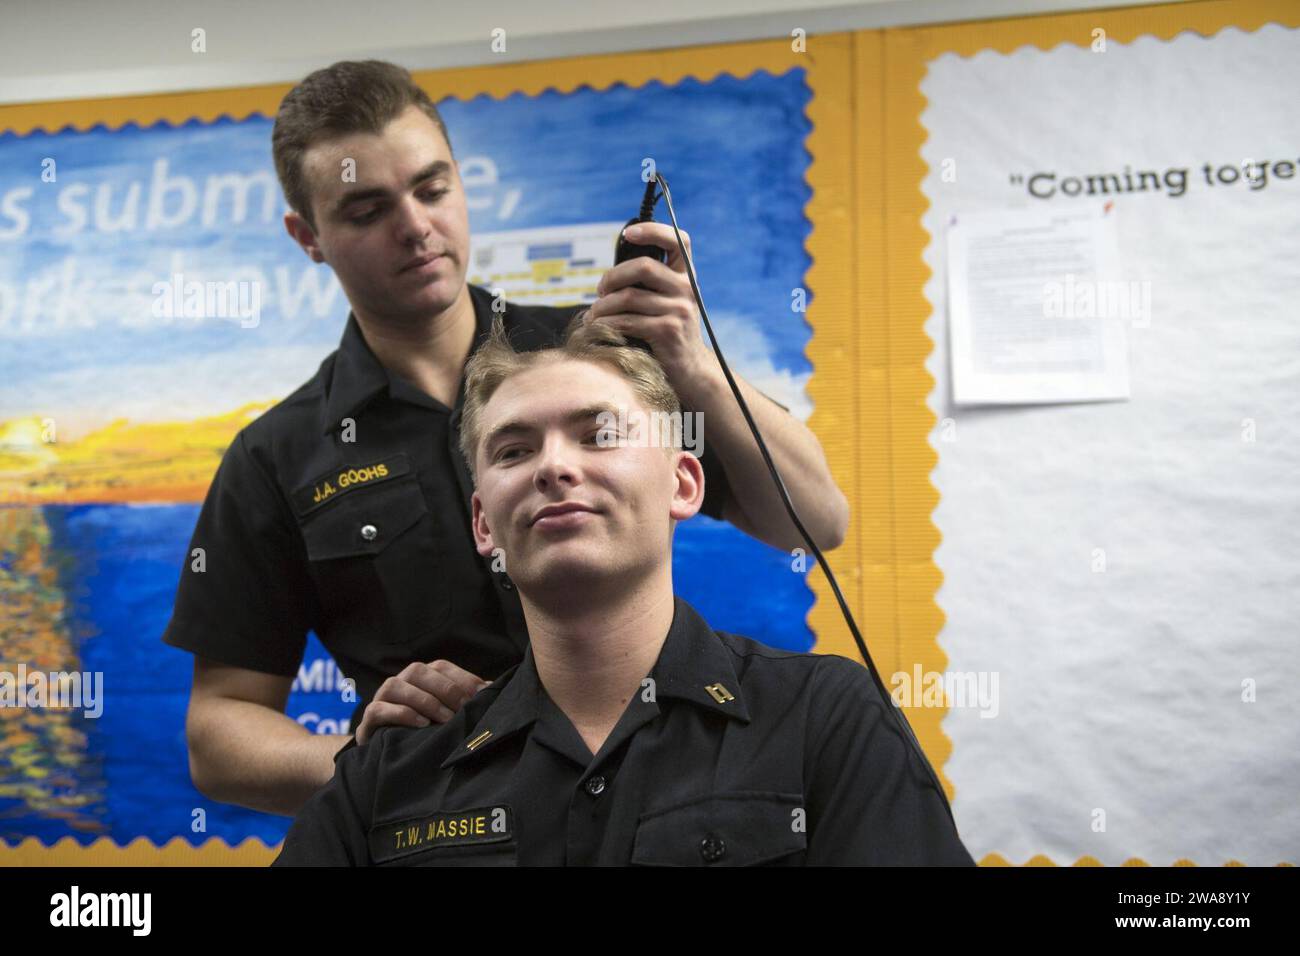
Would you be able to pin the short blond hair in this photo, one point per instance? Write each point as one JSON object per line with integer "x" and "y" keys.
{"x": 595, "y": 341}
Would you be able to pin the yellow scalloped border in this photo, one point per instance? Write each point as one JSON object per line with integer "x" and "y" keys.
{"x": 892, "y": 310}
{"x": 868, "y": 347}
{"x": 139, "y": 852}
{"x": 563, "y": 76}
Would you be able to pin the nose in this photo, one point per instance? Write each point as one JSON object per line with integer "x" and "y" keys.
{"x": 555, "y": 465}
{"x": 412, "y": 221}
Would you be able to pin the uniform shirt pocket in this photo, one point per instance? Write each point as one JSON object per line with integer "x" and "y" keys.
{"x": 374, "y": 560}
{"x": 741, "y": 828}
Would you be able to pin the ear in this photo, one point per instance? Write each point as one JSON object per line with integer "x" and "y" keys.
{"x": 482, "y": 533}
{"x": 302, "y": 233}
{"x": 688, "y": 497}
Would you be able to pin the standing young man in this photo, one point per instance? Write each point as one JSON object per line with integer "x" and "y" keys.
{"x": 345, "y": 508}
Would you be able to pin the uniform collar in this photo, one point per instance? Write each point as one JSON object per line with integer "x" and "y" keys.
{"x": 359, "y": 376}
{"x": 693, "y": 666}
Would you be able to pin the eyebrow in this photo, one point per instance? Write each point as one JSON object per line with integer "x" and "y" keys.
{"x": 520, "y": 427}
{"x": 436, "y": 169}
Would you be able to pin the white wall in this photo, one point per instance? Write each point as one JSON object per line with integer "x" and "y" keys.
{"x": 71, "y": 49}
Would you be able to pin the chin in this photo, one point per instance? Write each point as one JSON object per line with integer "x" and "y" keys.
{"x": 431, "y": 299}
{"x": 563, "y": 575}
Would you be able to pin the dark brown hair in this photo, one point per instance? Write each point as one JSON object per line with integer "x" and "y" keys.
{"x": 348, "y": 97}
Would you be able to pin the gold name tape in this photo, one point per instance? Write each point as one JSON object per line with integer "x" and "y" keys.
{"x": 346, "y": 478}
{"x": 457, "y": 828}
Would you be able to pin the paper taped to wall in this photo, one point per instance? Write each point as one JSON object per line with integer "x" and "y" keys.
{"x": 1037, "y": 310}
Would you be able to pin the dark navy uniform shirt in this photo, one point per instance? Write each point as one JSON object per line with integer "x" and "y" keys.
{"x": 367, "y": 542}
{"x": 733, "y": 753}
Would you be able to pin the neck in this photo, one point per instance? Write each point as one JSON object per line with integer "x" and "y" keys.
{"x": 430, "y": 353}
{"x": 593, "y": 650}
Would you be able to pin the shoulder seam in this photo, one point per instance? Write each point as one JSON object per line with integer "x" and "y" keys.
{"x": 274, "y": 486}
{"x": 763, "y": 651}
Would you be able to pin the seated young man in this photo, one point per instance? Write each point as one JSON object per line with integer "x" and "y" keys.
{"x": 632, "y": 732}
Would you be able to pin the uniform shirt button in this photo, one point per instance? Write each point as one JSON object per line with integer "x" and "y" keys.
{"x": 596, "y": 785}
{"x": 369, "y": 532}
{"x": 712, "y": 849}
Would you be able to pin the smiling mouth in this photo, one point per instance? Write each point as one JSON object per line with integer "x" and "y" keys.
{"x": 419, "y": 263}
{"x": 557, "y": 518}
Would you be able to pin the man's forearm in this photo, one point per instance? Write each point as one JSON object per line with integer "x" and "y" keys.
{"x": 253, "y": 756}
{"x": 795, "y": 449}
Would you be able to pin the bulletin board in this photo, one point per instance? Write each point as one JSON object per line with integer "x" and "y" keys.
{"x": 118, "y": 402}
{"x": 845, "y": 220}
